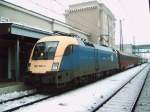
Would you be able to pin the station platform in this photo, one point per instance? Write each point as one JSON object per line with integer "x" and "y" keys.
{"x": 7, "y": 87}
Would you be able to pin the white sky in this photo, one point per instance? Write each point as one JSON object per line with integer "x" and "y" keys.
{"x": 134, "y": 14}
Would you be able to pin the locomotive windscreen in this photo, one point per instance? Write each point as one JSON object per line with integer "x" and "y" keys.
{"x": 45, "y": 50}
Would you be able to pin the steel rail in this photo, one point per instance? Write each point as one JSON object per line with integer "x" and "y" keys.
{"x": 27, "y": 104}
{"x": 99, "y": 106}
{"x": 17, "y": 98}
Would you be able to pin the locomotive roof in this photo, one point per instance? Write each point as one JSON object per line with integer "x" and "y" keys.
{"x": 103, "y": 48}
{"x": 74, "y": 40}
{"x": 59, "y": 38}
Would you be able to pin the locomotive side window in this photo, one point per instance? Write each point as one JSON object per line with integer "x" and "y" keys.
{"x": 68, "y": 50}
{"x": 45, "y": 50}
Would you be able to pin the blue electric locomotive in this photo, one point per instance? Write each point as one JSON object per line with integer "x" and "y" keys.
{"x": 62, "y": 59}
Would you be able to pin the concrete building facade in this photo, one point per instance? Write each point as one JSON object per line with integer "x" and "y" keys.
{"x": 20, "y": 28}
{"x": 96, "y": 19}
{"x": 12, "y": 13}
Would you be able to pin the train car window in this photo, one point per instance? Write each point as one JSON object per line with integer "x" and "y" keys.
{"x": 68, "y": 50}
{"x": 45, "y": 50}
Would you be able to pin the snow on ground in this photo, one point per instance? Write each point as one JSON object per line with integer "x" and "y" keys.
{"x": 23, "y": 101}
{"x": 15, "y": 94}
{"x": 84, "y": 99}
{"x": 125, "y": 99}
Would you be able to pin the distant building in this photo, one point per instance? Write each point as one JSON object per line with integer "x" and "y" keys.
{"x": 96, "y": 19}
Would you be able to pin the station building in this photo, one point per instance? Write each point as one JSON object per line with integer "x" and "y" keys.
{"x": 20, "y": 28}
{"x": 95, "y": 18}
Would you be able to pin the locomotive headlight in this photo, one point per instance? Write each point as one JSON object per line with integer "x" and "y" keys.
{"x": 55, "y": 66}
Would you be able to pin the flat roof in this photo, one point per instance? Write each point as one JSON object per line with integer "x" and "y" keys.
{"x": 41, "y": 16}
{"x": 22, "y": 30}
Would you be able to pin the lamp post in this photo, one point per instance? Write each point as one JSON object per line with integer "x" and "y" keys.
{"x": 121, "y": 36}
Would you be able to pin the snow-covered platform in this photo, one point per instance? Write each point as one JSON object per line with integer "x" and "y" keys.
{"x": 7, "y": 87}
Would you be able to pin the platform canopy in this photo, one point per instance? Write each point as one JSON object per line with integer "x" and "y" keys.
{"x": 17, "y": 39}
{"x": 22, "y": 30}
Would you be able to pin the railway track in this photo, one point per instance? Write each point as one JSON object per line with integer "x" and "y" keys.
{"x": 17, "y": 98}
{"x": 125, "y": 99}
{"x": 16, "y": 103}
{"x": 10, "y": 96}
{"x": 28, "y": 99}
{"x": 105, "y": 103}
{"x": 93, "y": 97}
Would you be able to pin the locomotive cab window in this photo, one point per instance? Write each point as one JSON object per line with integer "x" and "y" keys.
{"x": 45, "y": 50}
{"x": 68, "y": 50}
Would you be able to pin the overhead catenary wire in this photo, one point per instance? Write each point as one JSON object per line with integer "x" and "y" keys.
{"x": 123, "y": 8}
{"x": 59, "y": 14}
{"x": 48, "y": 9}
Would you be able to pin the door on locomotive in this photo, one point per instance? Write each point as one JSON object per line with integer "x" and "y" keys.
{"x": 70, "y": 62}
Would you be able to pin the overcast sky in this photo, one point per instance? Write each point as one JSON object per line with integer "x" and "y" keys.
{"x": 133, "y": 13}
